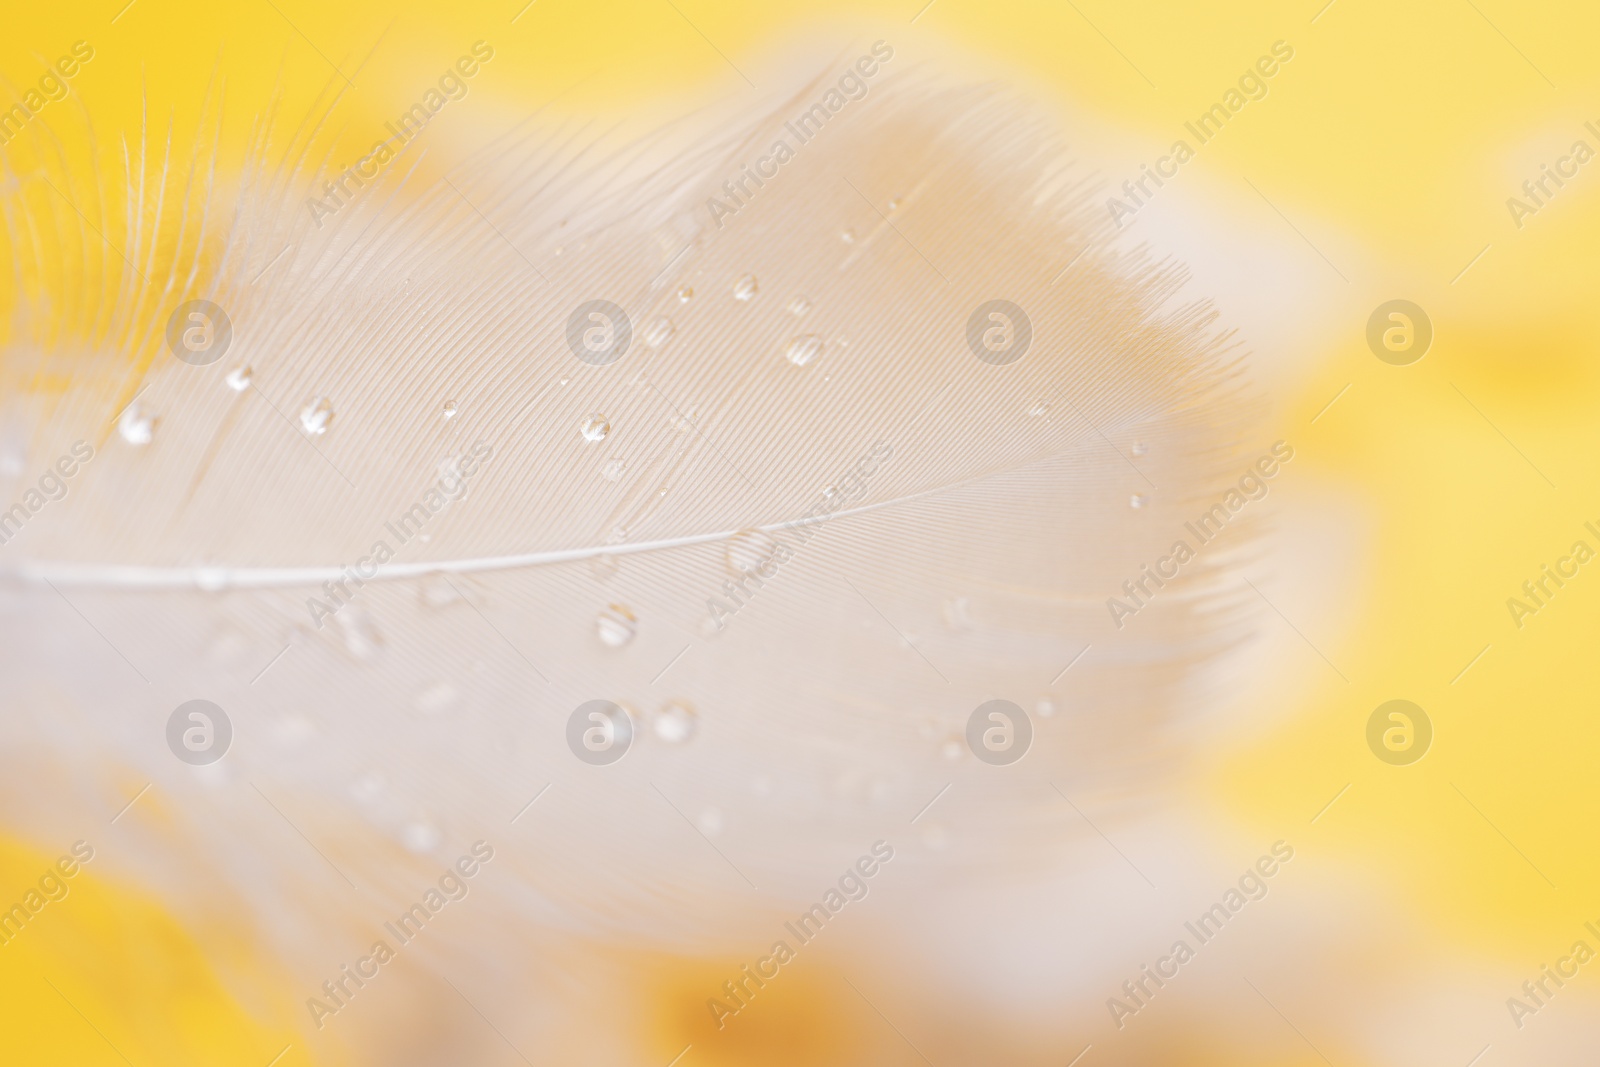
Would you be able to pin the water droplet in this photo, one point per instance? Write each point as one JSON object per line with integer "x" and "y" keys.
{"x": 685, "y": 294}
{"x": 361, "y": 637}
{"x": 1039, "y": 408}
{"x": 435, "y": 698}
{"x": 613, "y": 469}
{"x": 564, "y": 381}
{"x": 745, "y": 287}
{"x": 449, "y": 409}
{"x": 1140, "y": 448}
{"x": 804, "y": 349}
{"x": 239, "y": 379}
{"x": 710, "y": 822}
{"x": 1138, "y": 500}
{"x": 315, "y": 416}
{"x": 595, "y": 428}
{"x": 659, "y": 332}
{"x": 1045, "y": 708}
{"x": 369, "y": 787}
{"x": 750, "y": 550}
{"x": 421, "y": 836}
{"x": 136, "y": 427}
{"x": 894, "y": 204}
{"x": 952, "y": 749}
{"x": 848, "y": 237}
{"x": 675, "y": 723}
{"x": 616, "y": 626}
{"x": 799, "y": 305}
{"x": 437, "y": 592}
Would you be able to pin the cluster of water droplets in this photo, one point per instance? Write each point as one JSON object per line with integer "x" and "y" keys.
{"x": 801, "y": 348}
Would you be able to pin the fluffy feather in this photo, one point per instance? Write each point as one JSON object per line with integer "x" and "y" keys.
{"x": 973, "y": 562}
